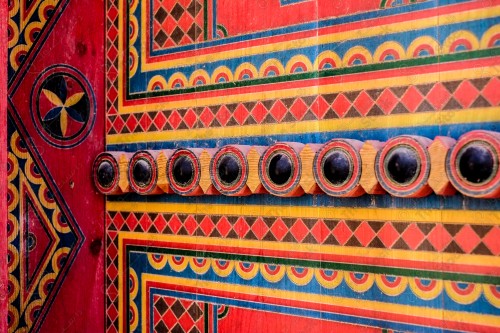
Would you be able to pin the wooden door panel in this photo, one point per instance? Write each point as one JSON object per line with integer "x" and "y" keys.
{"x": 56, "y": 124}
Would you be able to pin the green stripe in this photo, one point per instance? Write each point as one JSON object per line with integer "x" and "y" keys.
{"x": 407, "y": 272}
{"x": 478, "y": 54}
{"x": 205, "y": 20}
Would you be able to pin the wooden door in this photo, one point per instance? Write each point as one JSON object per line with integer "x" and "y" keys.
{"x": 55, "y": 126}
{"x": 293, "y": 166}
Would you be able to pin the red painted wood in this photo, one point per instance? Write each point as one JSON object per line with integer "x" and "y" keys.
{"x": 3, "y": 163}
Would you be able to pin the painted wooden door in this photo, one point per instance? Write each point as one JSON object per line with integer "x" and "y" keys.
{"x": 270, "y": 166}
{"x": 55, "y": 126}
{"x": 293, "y": 166}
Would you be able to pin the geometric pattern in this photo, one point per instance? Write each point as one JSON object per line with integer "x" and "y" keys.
{"x": 43, "y": 238}
{"x": 27, "y": 21}
{"x": 451, "y": 95}
{"x": 177, "y": 315}
{"x": 177, "y": 23}
{"x": 416, "y": 236}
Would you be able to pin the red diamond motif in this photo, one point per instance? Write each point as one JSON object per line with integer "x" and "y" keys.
{"x": 175, "y": 119}
{"x": 259, "y": 112}
{"x": 413, "y": 236}
{"x": 207, "y": 226}
{"x": 119, "y": 221}
{"x": 259, "y": 228}
{"x": 207, "y": 116}
{"x": 112, "y": 13}
{"x": 191, "y": 225}
{"x": 145, "y": 121}
{"x": 363, "y": 103}
{"x": 439, "y": 237}
{"x": 175, "y": 224}
{"x": 467, "y": 239}
{"x": 491, "y": 91}
{"x": 131, "y": 123}
{"x": 320, "y": 107}
{"x": 160, "y": 223}
{"x": 387, "y": 101}
{"x": 186, "y": 322}
{"x": 298, "y": 109}
{"x": 190, "y": 118}
{"x": 109, "y": 125}
{"x": 278, "y": 110}
{"x": 131, "y": 221}
{"x": 112, "y": 93}
{"x": 223, "y": 226}
{"x": 299, "y": 230}
{"x": 279, "y": 229}
{"x": 112, "y": 312}
{"x": 241, "y": 114}
{"x": 466, "y": 94}
{"x": 491, "y": 240}
{"x": 160, "y": 120}
{"x": 320, "y": 231}
{"x": 112, "y": 270}
{"x": 145, "y": 221}
{"x": 223, "y": 115}
{"x": 364, "y": 233}
{"x": 342, "y": 232}
{"x": 341, "y": 105}
{"x": 169, "y": 319}
{"x": 241, "y": 227}
{"x": 412, "y": 99}
{"x": 112, "y": 33}
{"x": 118, "y": 124}
{"x": 112, "y": 53}
{"x": 438, "y": 96}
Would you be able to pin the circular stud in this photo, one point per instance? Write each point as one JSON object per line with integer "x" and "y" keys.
{"x": 280, "y": 169}
{"x": 106, "y": 173}
{"x": 143, "y": 173}
{"x": 402, "y": 167}
{"x": 472, "y": 164}
{"x": 183, "y": 172}
{"x": 229, "y": 171}
{"x": 337, "y": 168}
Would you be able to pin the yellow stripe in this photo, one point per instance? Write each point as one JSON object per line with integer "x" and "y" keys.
{"x": 465, "y": 73}
{"x": 470, "y": 116}
{"x": 318, "y": 40}
{"x": 481, "y": 217}
{"x": 366, "y": 305}
{"x": 463, "y": 259}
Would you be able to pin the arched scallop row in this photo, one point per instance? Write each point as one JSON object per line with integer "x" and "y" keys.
{"x": 404, "y": 166}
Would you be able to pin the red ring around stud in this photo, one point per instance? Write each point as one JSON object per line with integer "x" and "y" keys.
{"x": 150, "y": 187}
{"x": 289, "y": 188}
{"x": 349, "y": 188}
{"x": 237, "y": 186}
{"x": 193, "y": 185}
{"x": 418, "y": 186}
{"x": 487, "y": 140}
{"x": 106, "y": 157}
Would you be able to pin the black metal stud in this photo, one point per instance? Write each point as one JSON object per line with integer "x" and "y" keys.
{"x": 402, "y": 165}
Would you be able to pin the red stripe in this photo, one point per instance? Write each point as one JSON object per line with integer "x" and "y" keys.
{"x": 433, "y": 12}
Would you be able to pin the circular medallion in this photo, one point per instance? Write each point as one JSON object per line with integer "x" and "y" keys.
{"x": 402, "y": 167}
{"x": 63, "y": 106}
{"x": 337, "y": 168}
{"x": 280, "y": 169}
{"x": 183, "y": 172}
{"x": 472, "y": 165}
{"x": 142, "y": 173}
{"x": 229, "y": 170}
